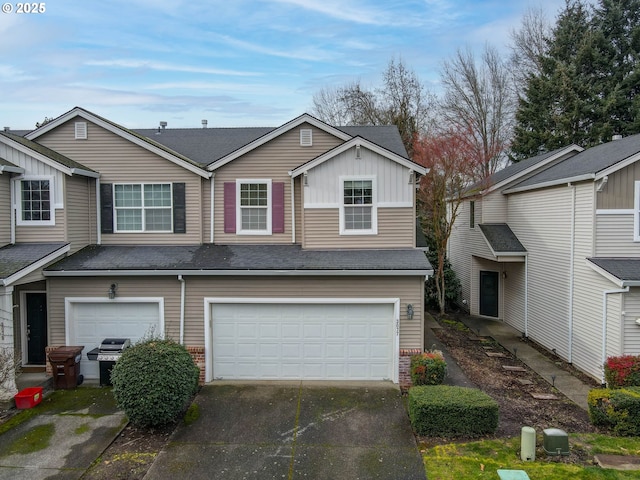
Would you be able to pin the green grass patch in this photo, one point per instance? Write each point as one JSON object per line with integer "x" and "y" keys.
{"x": 193, "y": 413}
{"x": 456, "y": 325}
{"x": 479, "y": 460}
{"x": 36, "y": 439}
{"x": 84, "y": 428}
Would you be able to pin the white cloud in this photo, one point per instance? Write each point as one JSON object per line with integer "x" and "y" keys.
{"x": 167, "y": 67}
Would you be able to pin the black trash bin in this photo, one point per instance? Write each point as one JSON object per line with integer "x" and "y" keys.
{"x": 65, "y": 367}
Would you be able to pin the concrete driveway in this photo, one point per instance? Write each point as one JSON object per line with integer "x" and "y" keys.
{"x": 294, "y": 431}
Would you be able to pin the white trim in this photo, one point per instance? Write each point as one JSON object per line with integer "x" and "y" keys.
{"x": 212, "y": 206}
{"x": 268, "y": 208}
{"x": 52, "y": 200}
{"x": 208, "y": 321}
{"x": 306, "y": 137}
{"x": 38, "y": 156}
{"x": 142, "y": 207}
{"x": 612, "y": 278}
{"x": 551, "y": 183}
{"x": 374, "y": 204}
{"x": 618, "y": 166}
{"x": 322, "y": 205}
{"x": 121, "y": 132}
{"x": 81, "y": 131}
{"x": 636, "y": 211}
{"x": 293, "y": 210}
{"x": 69, "y": 301}
{"x": 98, "y": 213}
{"x": 359, "y": 141}
{"x": 23, "y": 325}
{"x": 240, "y": 273}
{"x": 572, "y": 250}
{"x": 11, "y": 169}
{"x": 305, "y": 118}
{"x": 614, "y": 211}
{"x": 604, "y": 324}
{"x": 35, "y": 266}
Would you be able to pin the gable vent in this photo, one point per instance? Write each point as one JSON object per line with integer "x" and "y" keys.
{"x": 306, "y": 137}
{"x": 81, "y": 130}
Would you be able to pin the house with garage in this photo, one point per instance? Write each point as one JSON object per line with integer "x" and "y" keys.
{"x": 270, "y": 253}
{"x": 551, "y": 246}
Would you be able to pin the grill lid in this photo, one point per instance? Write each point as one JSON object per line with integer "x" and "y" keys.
{"x": 114, "y": 344}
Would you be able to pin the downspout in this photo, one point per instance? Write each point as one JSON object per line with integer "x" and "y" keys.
{"x": 98, "y": 213}
{"x": 604, "y": 324}
{"x": 526, "y": 296}
{"x": 571, "y": 266}
{"x": 182, "y": 302}
{"x": 213, "y": 191}
{"x": 293, "y": 212}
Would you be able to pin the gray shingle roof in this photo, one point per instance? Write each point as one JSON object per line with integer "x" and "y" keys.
{"x": 625, "y": 269}
{"x": 47, "y": 152}
{"x": 19, "y": 256}
{"x": 239, "y": 257}
{"x": 590, "y": 161}
{"x": 206, "y": 145}
{"x": 501, "y": 238}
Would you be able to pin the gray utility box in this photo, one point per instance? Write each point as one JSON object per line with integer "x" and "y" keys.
{"x": 555, "y": 441}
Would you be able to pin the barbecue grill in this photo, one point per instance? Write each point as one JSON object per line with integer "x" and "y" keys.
{"x": 108, "y": 354}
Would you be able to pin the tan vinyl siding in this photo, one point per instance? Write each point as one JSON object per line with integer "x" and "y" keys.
{"x": 408, "y": 289}
{"x": 273, "y": 160}
{"x": 541, "y": 219}
{"x": 44, "y": 233}
{"x": 494, "y": 208}
{"x": 614, "y": 236}
{"x": 5, "y": 209}
{"x": 396, "y": 229}
{"x": 513, "y": 288}
{"x": 619, "y": 192}
{"x": 120, "y": 161}
{"x": 458, "y": 250}
{"x": 206, "y": 210}
{"x": 80, "y": 208}
{"x": 631, "y": 330}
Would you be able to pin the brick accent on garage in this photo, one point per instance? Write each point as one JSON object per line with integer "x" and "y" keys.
{"x": 404, "y": 376}
{"x": 197, "y": 353}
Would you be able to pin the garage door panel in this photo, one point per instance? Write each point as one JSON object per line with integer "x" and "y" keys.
{"x": 310, "y": 341}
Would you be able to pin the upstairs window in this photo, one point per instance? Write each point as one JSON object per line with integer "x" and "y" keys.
{"x": 472, "y": 214}
{"x": 358, "y": 210}
{"x": 143, "y": 207}
{"x": 36, "y": 202}
{"x": 254, "y": 207}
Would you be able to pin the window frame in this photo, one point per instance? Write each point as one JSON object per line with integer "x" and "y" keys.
{"x": 240, "y": 207}
{"x": 18, "y": 200}
{"x": 374, "y": 205}
{"x": 472, "y": 214}
{"x": 143, "y": 208}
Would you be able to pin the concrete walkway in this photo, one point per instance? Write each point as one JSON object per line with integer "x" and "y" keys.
{"x": 511, "y": 339}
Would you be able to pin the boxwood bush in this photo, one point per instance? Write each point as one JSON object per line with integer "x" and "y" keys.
{"x": 428, "y": 368}
{"x": 153, "y": 381}
{"x": 446, "y": 411}
{"x": 617, "y": 409}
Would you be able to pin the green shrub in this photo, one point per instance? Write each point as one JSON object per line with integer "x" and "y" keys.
{"x": 153, "y": 381}
{"x": 445, "y": 411}
{"x": 622, "y": 371}
{"x": 428, "y": 368}
{"x": 617, "y": 409}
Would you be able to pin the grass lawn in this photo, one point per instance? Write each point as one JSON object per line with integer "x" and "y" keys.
{"x": 482, "y": 459}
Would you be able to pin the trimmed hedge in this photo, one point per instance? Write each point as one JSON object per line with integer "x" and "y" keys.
{"x": 617, "y": 409}
{"x": 622, "y": 371}
{"x": 446, "y": 411}
{"x": 153, "y": 381}
{"x": 428, "y": 368}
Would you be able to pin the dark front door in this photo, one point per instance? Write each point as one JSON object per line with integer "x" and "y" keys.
{"x": 489, "y": 293}
{"x": 36, "y": 327}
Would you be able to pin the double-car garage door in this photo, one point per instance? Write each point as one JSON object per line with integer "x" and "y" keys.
{"x": 314, "y": 341}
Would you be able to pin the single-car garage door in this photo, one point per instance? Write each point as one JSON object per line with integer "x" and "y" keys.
{"x": 346, "y": 341}
{"x": 90, "y": 322}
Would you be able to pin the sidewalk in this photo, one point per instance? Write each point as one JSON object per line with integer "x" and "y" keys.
{"x": 511, "y": 339}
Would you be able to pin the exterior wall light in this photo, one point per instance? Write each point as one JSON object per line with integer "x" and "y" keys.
{"x": 410, "y": 312}
{"x": 112, "y": 291}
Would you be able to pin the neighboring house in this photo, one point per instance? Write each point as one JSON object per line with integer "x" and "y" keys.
{"x": 271, "y": 253}
{"x": 551, "y": 246}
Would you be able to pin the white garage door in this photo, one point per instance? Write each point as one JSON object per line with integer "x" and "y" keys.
{"x": 91, "y": 322}
{"x": 303, "y": 341}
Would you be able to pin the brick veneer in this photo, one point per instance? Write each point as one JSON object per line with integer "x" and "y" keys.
{"x": 197, "y": 353}
{"x": 404, "y": 364}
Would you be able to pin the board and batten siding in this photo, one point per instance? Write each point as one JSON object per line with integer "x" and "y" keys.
{"x": 80, "y": 212}
{"x": 396, "y": 229}
{"x": 5, "y": 209}
{"x": 541, "y": 220}
{"x": 408, "y": 289}
{"x": 614, "y": 236}
{"x": 619, "y": 192}
{"x": 120, "y": 161}
{"x": 273, "y": 160}
{"x": 631, "y": 330}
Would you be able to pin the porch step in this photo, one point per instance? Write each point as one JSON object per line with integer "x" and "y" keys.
{"x": 33, "y": 369}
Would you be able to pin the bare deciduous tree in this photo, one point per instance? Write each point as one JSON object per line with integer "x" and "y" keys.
{"x": 478, "y": 102}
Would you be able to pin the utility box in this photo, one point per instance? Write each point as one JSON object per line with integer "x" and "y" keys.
{"x": 528, "y": 444}
{"x": 555, "y": 441}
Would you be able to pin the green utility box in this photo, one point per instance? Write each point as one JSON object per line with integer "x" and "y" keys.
{"x": 555, "y": 441}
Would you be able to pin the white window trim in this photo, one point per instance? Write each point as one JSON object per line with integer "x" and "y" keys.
{"x": 374, "y": 205}
{"x": 239, "y": 230}
{"x": 18, "y": 199}
{"x": 143, "y": 208}
{"x": 636, "y": 212}
{"x": 306, "y": 137}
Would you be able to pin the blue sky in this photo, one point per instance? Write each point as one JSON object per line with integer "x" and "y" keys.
{"x": 233, "y": 62}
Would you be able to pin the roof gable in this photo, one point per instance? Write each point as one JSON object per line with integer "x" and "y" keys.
{"x": 130, "y": 135}
{"x": 7, "y": 166}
